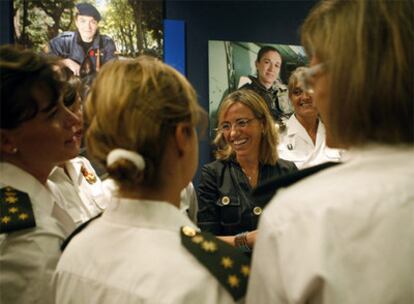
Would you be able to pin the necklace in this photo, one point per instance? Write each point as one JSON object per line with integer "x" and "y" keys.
{"x": 249, "y": 176}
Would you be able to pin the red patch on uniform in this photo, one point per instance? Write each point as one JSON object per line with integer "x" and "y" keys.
{"x": 91, "y": 53}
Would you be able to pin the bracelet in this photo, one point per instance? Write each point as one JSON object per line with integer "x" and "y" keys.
{"x": 240, "y": 241}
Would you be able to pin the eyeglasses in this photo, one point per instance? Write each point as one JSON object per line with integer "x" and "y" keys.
{"x": 298, "y": 92}
{"x": 241, "y": 123}
{"x": 305, "y": 78}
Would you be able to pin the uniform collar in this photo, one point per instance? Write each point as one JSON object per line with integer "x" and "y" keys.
{"x": 256, "y": 82}
{"x": 41, "y": 196}
{"x": 294, "y": 127}
{"x": 73, "y": 168}
{"x": 147, "y": 214}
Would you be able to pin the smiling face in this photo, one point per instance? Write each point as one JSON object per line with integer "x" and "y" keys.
{"x": 268, "y": 68}
{"x": 303, "y": 103}
{"x": 245, "y": 141}
{"x": 49, "y": 138}
{"x": 87, "y": 27}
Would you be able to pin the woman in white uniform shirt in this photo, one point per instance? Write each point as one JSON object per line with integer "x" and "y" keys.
{"x": 142, "y": 116}
{"x": 345, "y": 235}
{"x": 303, "y": 139}
{"x": 37, "y": 133}
{"x": 83, "y": 192}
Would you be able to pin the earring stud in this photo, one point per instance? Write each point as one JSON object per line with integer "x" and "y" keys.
{"x": 14, "y": 150}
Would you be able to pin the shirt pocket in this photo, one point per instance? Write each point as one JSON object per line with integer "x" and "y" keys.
{"x": 230, "y": 209}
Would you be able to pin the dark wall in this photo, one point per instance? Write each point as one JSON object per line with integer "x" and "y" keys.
{"x": 272, "y": 21}
{"x": 6, "y": 21}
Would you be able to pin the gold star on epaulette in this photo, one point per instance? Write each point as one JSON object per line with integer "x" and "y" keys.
{"x": 233, "y": 281}
{"x": 226, "y": 262}
{"x": 189, "y": 231}
{"x": 11, "y": 199}
{"x": 6, "y": 219}
{"x": 89, "y": 176}
{"x": 209, "y": 246}
{"x": 16, "y": 212}
{"x": 23, "y": 216}
{"x": 197, "y": 239}
{"x": 245, "y": 270}
{"x": 13, "y": 210}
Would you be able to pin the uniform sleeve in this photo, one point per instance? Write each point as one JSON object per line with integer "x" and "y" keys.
{"x": 294, "y": 271}
{"x": 208, "y": 216}
{"x": 189, "y": 200}
{"x": 27, "y": 269}
{"x": 265, "y": 283}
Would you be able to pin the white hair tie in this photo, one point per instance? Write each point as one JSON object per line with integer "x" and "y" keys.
{"x": 132, "y": 156}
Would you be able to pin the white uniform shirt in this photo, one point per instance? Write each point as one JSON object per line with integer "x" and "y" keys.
{"x": 28, "y": 257}
{"x": 83, "y": 197}
{"x": 188, "y": 203}
{"x": 296, "y": 145}
{"x": 188, "y": 198}
{"x": 344, "y": 235}
{"x": 133, "y": 254}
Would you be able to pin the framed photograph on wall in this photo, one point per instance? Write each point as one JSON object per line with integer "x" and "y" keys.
{"x": 89, "y": 32}
{"x": 232, "y": 65}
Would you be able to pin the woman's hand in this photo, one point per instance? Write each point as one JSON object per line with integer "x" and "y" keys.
{"x": 250, "y": 239}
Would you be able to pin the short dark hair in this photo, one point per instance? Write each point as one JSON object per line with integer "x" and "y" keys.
{"x": 264, "y": 49}
{"x": 20, "y": 71}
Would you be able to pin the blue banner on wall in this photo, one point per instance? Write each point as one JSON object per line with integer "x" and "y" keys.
{"x": 174, "y": 44}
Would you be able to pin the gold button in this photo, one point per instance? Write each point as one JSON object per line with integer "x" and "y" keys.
{"x": 225, "y": 200}
{"x": 188, "y": 231}
{"x": 257, "y": 210}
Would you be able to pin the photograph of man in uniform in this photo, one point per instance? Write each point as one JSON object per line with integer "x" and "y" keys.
{"x": 85, "y": 50}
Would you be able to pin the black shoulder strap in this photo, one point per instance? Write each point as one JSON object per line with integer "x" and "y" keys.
{"x": 227, "y": 264}
{"x": 16, "y": 212}
{"x": 77, "y": 230}
{"x": 266, "y": 190}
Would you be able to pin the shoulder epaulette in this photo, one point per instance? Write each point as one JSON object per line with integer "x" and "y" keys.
{"x": 265, "y": 191}
{"x": 77, "y": 230}
{"x": 227, "y": 264}
{"x": 16, "y": 212}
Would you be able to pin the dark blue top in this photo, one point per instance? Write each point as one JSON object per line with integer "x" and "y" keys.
{"x": 225, "y": 203}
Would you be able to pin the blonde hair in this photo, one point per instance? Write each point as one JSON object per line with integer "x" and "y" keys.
{"x": 134, "y": 105}
{"x": 294, "y": 79}
{"x": 367, "y": 47}
{"x": 270, "y": 138}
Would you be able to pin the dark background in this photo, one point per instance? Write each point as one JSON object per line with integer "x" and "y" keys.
{"x": 270, "y": 21}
